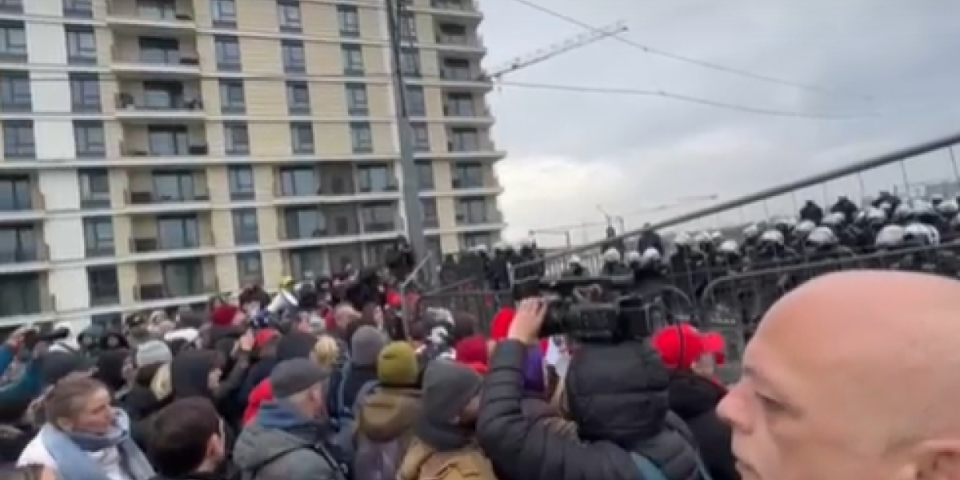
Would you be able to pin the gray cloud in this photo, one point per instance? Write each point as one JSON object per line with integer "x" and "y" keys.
{"x": 900, "y": 52}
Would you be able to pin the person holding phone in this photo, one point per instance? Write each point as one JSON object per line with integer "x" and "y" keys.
{"x": 28, "y": 384}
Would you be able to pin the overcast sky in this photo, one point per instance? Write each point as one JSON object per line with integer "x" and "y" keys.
{"x": 570, "y": 152}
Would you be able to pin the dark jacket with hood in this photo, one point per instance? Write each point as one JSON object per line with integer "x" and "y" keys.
{"x": 283, "y": 445}
{"x": 190, "y": 374}
{"x": 616, "y": 394}
{"x": 141, "y": 403}
{"x": 694, "y": 399}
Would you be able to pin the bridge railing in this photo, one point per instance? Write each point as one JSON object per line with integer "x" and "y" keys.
{"x": 917, "y": 171}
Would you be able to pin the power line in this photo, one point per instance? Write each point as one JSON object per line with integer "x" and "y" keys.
{"x": 689, "y": 99}
{"x": 695, "y": 61}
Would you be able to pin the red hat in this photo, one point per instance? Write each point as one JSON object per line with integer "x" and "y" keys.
{"x": 714, "y": 344}
{"x": 264, "y": 336}
{"x": 472, "y": 350}
{"x": 223, "y": 315}
{"x": 680, "y": 346}
{"x": 500, "y": 327}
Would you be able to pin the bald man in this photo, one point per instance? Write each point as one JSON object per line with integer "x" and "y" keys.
{"x": 853, "y": 376}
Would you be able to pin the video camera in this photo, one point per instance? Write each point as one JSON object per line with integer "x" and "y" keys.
{"x": 606, "y": 309}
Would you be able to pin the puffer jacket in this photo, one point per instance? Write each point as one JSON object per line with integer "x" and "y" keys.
{"x": 616, "y": 394}
{"x": 694, "y": 399}
{"x": 384, "y": 429}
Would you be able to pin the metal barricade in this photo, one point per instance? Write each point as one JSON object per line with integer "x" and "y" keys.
{"x": 734, "y": 304}
{"x": 481, "y": 304}
{"x": 920, "y": 170}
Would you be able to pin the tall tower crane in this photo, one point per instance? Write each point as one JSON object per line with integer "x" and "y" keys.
{"x": 546, "y": 53}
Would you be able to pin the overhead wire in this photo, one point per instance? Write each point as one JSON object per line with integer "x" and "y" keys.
{"x": 695, "y": 61}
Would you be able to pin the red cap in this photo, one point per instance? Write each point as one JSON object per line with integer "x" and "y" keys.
{"x": 680, "y": 346}
{"x": 264, "y": 336}
{"x": 714, "y": 344}
{"x": 472, "y": 350}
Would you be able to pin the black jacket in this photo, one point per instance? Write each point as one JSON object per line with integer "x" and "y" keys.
{"x": 612, "y": 422}
{"x": 694, "y": 399}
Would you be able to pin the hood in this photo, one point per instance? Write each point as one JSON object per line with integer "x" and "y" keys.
{"x": 388, "y": 413}
{"x": 692, "y": 395}
{"x": 295, "y": 345}
{"x": 190, "y": 372}
{"x": 110, "y": 368}
{"x": 276, "y": 428}
{"x": 617, "y": 393}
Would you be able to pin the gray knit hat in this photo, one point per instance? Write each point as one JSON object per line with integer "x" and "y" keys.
{"x": 152, "y": 352}
{"x": 365, "y": 346}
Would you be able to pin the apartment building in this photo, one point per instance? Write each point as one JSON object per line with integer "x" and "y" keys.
{"x": 156, "y": 152}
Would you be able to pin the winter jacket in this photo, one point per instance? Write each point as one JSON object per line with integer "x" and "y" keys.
{"x": 617, "y": 394}
{"x": 694, "y": 399}
{"x": 385, "y": 423}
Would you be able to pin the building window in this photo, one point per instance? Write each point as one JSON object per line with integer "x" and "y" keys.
{"x": 307, "y": 262}
{"x": 298, "y": 182}
{"x": 232, "y": 98}
{"x": 11, "y": 6}
{"x": 288, "y": 14}
{"x": 294, "y": 56}
{"x": 242, "y": 185}
{"x": 81, "y": 45}
{"x": 467, "y": 175}
{"x": 250, "y": 268}
{"x": 162, "y": 95}
{"x": 375, "y": 178}
{"x": 378, "y": 217}
{"x": 425, "y": 175}
{"x": 98, "y": 235}
{"x": 352, "y": 60}
{"x": 15, "y": 194}
{"x": 159, "y": 51}
{"x": 15, "y": 93}
{"x": 18, "y": 140}
{"x": 228, "y": 53}
{"x": 19, "y": 295}
{"x": 349, "y": 19}
{"x": 237, "y": 138}
{"x": 472, "y": 211}
{"x": 301, "y": 135}
{"x": 183, "y": 278}
{"x": 421, "y": 137}
{"x": 357, "y": 102}
{"x": 304, "y": 222}
{"x": 104, "y": 285}
{"x": 13, "y": 41}
{"x": 18, "y": 244}
{"x": 167, "y": 140}
{"x": 94, "y": 188}
{"x": 361, "y": 137}
{"x": 431, "y": 219}
{"x": 464, "y": 140}
{"x": 77, "y": 8}
{"x": 89, "y": 137}
{"x": 245, "y": 228}
{"x": 157, "y": 9}
{"x": 223, "y": 13}
{"x": 459, "y": 105}
{"x": 416, "y": 101}
{"x": 85, "y": 93}
{"x": 472, "y": 240}
{"x": 178, "y": 232}
{"x": 410, "y": 62}
{"x": 408, "y": 27}
{"x": 298, "y": 98}
{"x": 174, "y": 186}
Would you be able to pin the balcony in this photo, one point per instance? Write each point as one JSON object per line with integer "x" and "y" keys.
{"x": 303, "y": 223}
{"x": 21, "y": 252}
{"x": 380, "y": 217}
{"x": 164, "y": 141}
{"x": 461, "y": 73}
{"x": 336, "y": 184}
{"x": 184, "y": 233}
{"x": 23, "y": 203}
{"x": 155, "y": 58}
{"x": 449, "y": 9}
{"x": 459, "y": 38}
{"x": 151, "y": 292}
{"x": 138, "y": 108}
{"x": 152, "y": 198}
{"x": 172, "y": 17}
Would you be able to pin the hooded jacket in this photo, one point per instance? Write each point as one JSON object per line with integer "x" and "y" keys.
{"x": 141, "y": 403}
{"x": 282, "y": 444}
{"x": 694, "y": 399}
{"x": 385, "y": 424}
{"x": 616, "y": 394}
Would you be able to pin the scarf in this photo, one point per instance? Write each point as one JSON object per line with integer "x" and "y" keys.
{"x": 71, "y": 451}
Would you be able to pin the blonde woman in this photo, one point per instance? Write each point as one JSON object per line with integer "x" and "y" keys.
{"x": 327, "y": 353}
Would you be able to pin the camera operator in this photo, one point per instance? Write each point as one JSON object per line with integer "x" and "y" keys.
{"x": 616, "y": 393}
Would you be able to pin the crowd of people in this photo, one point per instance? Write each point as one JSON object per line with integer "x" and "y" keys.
{"x": 228, "y": 394}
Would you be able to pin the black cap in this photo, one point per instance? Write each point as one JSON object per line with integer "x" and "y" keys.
{"x": 291, "y": 377}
